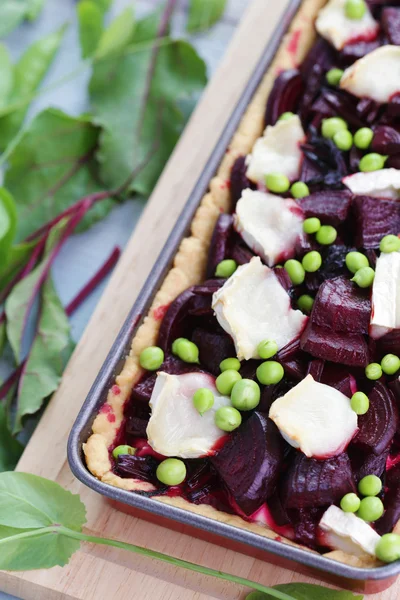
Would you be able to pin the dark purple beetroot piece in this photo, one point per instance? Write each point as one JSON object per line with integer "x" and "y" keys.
{"x": 172, "y": 365}
{"x": 290, "y": 351}
{"x": 310, "y": 483}
{"x": 271, "y": 392}
{"x": 136, "y": 427}
{"x": 250, "y": 462}
{"x": 219, "y": 243}
{"x": 213, "y": 348}
{"x": 295, "y": 368}
{"x": 138, "y": 467}
{"x": 394, "y": 385}
{"x": 332, "y": 207}
{"x": 327, "y": 159}
{"x": 386, "y": 140}
{"x": 366, "y": 463}
{"x": 333, "y": 102}
{"x": 239, "y": 181}
{"x": 284, "y": 96}
{"x": 391, "y": 502}
{"x": 341, "y": 305}
{"x": 378, "y": 426}
{"x": 315, "y": 368}
{"x": 390, "y": 21}
{"x": 374, "y": 218}
{"x": 369, "y": 110}
{"x": 173, "y": 325}
{"x": 390, "y": 343}
{"x": 352, "y": 52}
{"x": 318, "y": 61}
{"x": 238, "y": 251}
{"x": 338, "y": 377}
{"x": 305, "y": 523}
{"x": 338, "y": 347}
{"x": 283, "y": 278}
{"x": 277, "y": 511}
{"x": 305, "y": 243}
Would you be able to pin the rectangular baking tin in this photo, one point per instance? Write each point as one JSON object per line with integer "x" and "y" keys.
{"x": 367, "y": 580}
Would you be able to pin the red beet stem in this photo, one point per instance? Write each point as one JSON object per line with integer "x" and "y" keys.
{"x": 94, "y": 281}
{"x": 12, "y": 380}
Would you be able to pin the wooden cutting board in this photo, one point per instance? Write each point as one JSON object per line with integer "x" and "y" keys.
{"x": 110, "y": 574}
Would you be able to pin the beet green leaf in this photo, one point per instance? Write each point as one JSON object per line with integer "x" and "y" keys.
{"x": 204, "y": 14}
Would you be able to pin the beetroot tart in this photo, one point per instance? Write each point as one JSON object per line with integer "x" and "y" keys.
{"x": 262, "y": 388}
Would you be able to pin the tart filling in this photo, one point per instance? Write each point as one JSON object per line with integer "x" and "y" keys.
{"x": 262, "y": 389}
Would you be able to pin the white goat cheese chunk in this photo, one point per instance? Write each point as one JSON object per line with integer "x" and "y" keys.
{"x": 385, "y": 314}
{"x": 252, "y": 306}
{"x": 375, "y": 76}
{"x": 333, "y": 25}
{"x": 315, "y": 418}
{"x": 175, "y": 427}
{"x": 278, "y": 151}
{"x": 269, "y": 225}
{"x": 378, "y": 184}
{"x": 347, "y": 532}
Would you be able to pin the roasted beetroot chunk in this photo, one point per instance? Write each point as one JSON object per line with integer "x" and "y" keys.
{"x": 213, "y": 348}
{"x": 367, "y": 463}
{"x": 341, "y": 305}
{"x": 239, "y": 181}
{"x": 138, "y": 467}
{"x": 390, "y": 21}
{"x": 250, "y": 462}
{"x": 386, "y": 140}
{"x": 219, "y": 243}
{"x": 284, "y": 96}
{"x": 338, "y": 376}
{"x": 305, "y": 523}
{"x": 378, "y": 426}
{"x": 332, "y": 207}
{"x": 312, "y": 483}
{"x": 374, "y": 218}
{"x": 338, "y": 347}
{"x": 391, "y": 502}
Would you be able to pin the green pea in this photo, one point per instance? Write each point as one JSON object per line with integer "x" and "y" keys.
{"x": 203, "y": 400}
{"x": 277, "y": 183}
{"x": 363, "y": 138}
{"x": 227, "y": 418}
{"x": 175, "y": 345}
{"x": 360, "y": 403}
{"x": 343, "y": 140}
{"x": 371, "y": 509}
{"x": 356, "y": 261}
{"x": 171, "y": 471}
{"x": 333, "y": 125}
{"x": 372, "y": 162}
{"x": 334, "y": 76}
{"x": 364, "y": 277}
{"x": 300, "y": 190}
{"x": 388, "y": 548}
{"x": 373, "y": 371}
{"x": 267, "y": 349}
{"x": 370, "y": 485}
{"x": 245, "y": 394}
{"x": 226, "y": 381}
{"x": 389, "y": 243}
{"x": 187, "y": 351}
{"x": 312, "y": 261}
{"x": 390, "y": 364}
{"x": 226, "y": 268}
{"x": 269, "y": 373}
{"x": 311, "y": 225}
{"x": 305, "y": 303}
{"x": 230, "y": 364}
{"x": 355, "y": 9}
{"x": 350, "y": 503}
{"x": 123, "y": 451}
{"x": 326, "y": 235}
{"x": 286, "y": 116}
{"x": 295, "y": 270}
{"x": 151, "y": 358}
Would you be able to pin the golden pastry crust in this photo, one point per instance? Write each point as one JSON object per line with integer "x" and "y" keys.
{"x": 189, "y": 269}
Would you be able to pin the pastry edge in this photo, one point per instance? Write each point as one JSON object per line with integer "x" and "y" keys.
{"x": 188, "y": 269}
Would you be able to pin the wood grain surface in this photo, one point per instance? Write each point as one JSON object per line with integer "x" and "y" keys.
{"x": 96, "y": 573}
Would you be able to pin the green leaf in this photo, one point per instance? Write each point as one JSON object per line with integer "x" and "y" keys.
{"x": 104, "y": 4}
{"x": 38, "y": 551}
{"x": 35, "y": 7}
{"x": 204, "y": 13}
{"x": 6, "y": 75}
{"x": 90, "y": 17}
{"x": 12, "y": 13}
{"x": 29, "y": 502}
{"x": 18, "y": 256}
{"x": 10, "y": 448}
{"x": 140, "y": 112}
{"x": 19, "y": 302}
{"x": 52, "y": 167}
{"x": 42, "y": 372}
{"x": 115, "y": 38}
{"x": 28, "y": 74}
{"x": 3, "y": 337}
{"x": 305, "y": 591}
{"x": 8, "y": 224}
